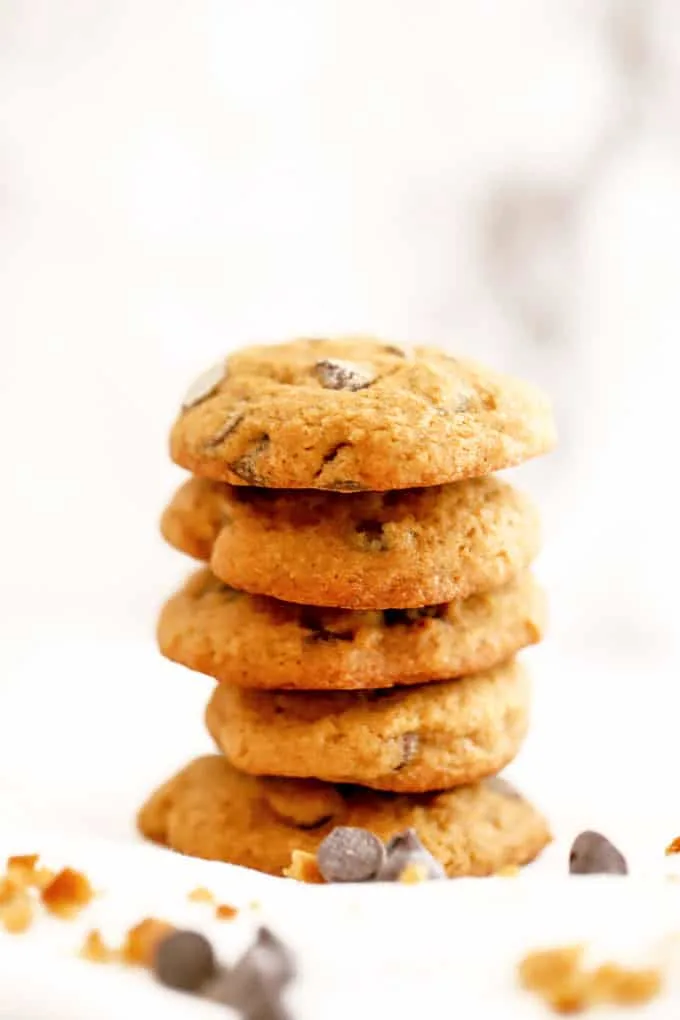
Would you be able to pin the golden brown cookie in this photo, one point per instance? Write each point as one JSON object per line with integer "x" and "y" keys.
{"x": 407, "y": 740}
{"x": 210, "y": 810}
{"x": 370, "y": 550}
{"x": 255, "y": 641}
{"x": 356, "y": 414}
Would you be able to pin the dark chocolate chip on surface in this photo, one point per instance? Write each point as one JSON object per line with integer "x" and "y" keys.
{"x": 230, "y": 425}
{"x": 342, "y": 375}
{"x": 406, "y": 849}
{"x": 184, "y": 960}
{"x": 254, "y": 985}
{"x": 204, "y": 386}
{"x": 350, "y": 854}
{"x": 592, "y": 854}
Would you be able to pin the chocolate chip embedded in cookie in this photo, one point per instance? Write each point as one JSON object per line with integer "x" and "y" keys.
{"x": 413, "y": 548}
{"x": 407, "y": 740}
{"x": 210, "y": 810}
{"x": 356, "y": 414}
{"x": 254, "y": 641}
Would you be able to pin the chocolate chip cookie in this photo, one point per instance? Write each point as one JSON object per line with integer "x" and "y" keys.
{"x": 400, "y": 549}
{"x": 212, "y": 811}
{"x": 356, "y": 414}
{"x": 255, "y": 641}
{"x": 408, "y": 740}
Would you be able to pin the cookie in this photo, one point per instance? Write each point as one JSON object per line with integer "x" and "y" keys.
{"x": 255, "y": 641}
{"x": 400, "y": 549}
{"x": 356, "y": 414}
{"x": 408, "y": 740}
{"x": 212, "y": 811}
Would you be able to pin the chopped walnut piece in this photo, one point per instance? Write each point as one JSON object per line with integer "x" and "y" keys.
{"x": 674, "y": 846}
{"x": 42, "y": 877}
{"x": 95, "y": 949}
{"x": 201, "y": 895}
{"x": 16, "y": 914}
{"x": 142, "y": 939}
{"x": 558, "y": 976}
{"x": 303, "y": 868}
{"x": 413, "y": 873}
{"x": 225, "y": 912}
{"x": 22, "y": 866}
{"x": 67, "y": 893}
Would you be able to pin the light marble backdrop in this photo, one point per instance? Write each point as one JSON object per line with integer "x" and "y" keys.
{"x": 177, "y": 178}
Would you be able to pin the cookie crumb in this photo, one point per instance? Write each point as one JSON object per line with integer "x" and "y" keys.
{"x": 303, "y": 867}
{"x": 413, "y": 874}
{"x": 558, "y": 976}
{"x": 201, "y": 895}
{"x": 95, "y": 949}
{"x": 673, "y": 847}
{"x": 16, "y": 913}
{"x": 225, "y": 912}
{"x": 22, "y": 866}
{"x": 141, "y": 941}
{"x": 67, "y": 893}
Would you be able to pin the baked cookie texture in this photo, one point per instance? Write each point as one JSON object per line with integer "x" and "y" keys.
{"x": 367, "y": 551}
{"x": 408, "y": 740}
{"x": 259, "y": 642}
{"x": 212, "y": 811}
{"x": 354, "y": 414}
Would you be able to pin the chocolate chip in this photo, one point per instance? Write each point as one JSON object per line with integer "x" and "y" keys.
{"x": 394, "y": 617}
{"x": 245, "y": 466}
{"x": 410, "y": 745}
{"x": 232, "y": 422}
{"x": 502, "y": 786}
{"x": 255, "y": 984}
{"x": 372, "y": 536}
{"x": 350, "y": 855}
{"x": 184, "y": 960}
{"x": 398, "y": 352}
{"x": 405, "y": 849}
{"x": 342, "y": 375}
{"x": 204, "y": 386}
{"x": 593, "y": 854}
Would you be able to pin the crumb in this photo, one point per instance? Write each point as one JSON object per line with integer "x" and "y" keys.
{"x": 558, "y": 976}
{"x": 16, "y": 914}
{"x": 67, "y": 893}
{"x": 22, "y": 865}
{"x": 509, "y": 871}
{"x": 95, "y": 949}
{"x": 413, "y": 874}
{"x": 142, "y": 939}
{"x": 201, "y": 895}
{"x": 303, "y": 868}
{"x": 225, "y": 912}
{"x": 673, "y": 847}
{"x": 9, "y": 888}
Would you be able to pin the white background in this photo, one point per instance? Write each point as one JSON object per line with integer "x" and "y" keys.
{"x": 177, "y": 179}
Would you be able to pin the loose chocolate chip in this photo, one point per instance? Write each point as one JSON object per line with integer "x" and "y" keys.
{"x": 342, "y": 375}
{"x": 255, "y": 984}
{"x": 410, "y": 745}
{"x": 593, "y": 854}
{"x": 502, "y": 786}
{"x": 184, "y": 960}
{"x": 405, "y": 849}
{"x": 350, "y": 855}
{"x": 204, "y": 386}
{"x": 372, "y": 536}
{"x": 229, "y": 426}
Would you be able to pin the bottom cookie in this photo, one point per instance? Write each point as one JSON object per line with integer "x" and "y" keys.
{"x": 212, "y": 811}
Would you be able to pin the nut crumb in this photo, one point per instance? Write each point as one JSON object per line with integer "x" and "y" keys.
{"x": 303, "y": 868}
{"x": 16, "y": 914}
{"x": 201, "y": 895}
{"x": 141, "y": 941}
{"x": 225, "y": 912}
{"x": 558, "y": 976}
{"x": 673, "y": 847}
{"x": 95, "y": 949}
{"x": 413, "y": 873}
{"x": 67, "y": 893}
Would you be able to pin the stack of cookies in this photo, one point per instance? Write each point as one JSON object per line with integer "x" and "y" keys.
{"x": 367, "y": 592}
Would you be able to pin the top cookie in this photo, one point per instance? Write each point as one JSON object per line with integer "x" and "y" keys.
{"x": 356, "y": 414}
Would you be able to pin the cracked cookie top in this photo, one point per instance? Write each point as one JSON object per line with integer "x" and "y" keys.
{"x": 356, "y": 414}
